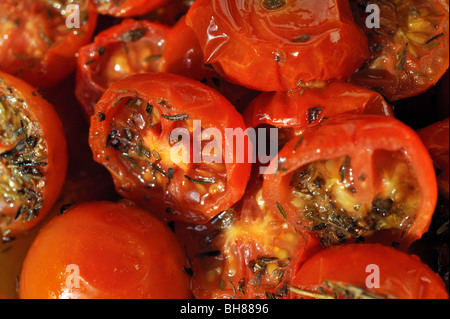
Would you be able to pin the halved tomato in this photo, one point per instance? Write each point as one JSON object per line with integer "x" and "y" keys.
{"x": 248, "y": 251}
{"x": 409, "y": 48}
{"x": 164, "y": 139}
{"x": 39, "y": 39}
{"x": 355, "y": 177}
{"x": 33, "y": 156}
{"x": 366, "y": 271}
{"x": 133, "y": 46}
{"x": 279, "y": 45}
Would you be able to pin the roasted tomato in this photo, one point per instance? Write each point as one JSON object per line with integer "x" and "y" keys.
{"x": 245, "y": 252}
{"x": 409, "y": 48}
{"x": 39, "y": 39}
{"x": 127, "y": 8}
{"x": 355, "y": 177}
{"x": 33, "y": 156}
{"x": 294, "y": 111}
{"x": 163, "y": 137}
{"x": 279, "y": 45}
{"x": 102, "y": 250}
{"x": 436, "y": 140}
{"x": 183, "y": 55}
{"x": 134, "y": 46}
{"x": 366, "y": 271}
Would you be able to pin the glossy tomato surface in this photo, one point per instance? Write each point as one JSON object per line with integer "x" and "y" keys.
{"x": 279, "y": 45}
{"x": 366, "y": 271}
{"x": 102, "y": 250}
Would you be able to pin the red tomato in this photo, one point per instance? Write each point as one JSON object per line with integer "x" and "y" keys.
{"x": 134, "y": 46}
{"x": 366, "y": 271}
{"x": 279, "y": 45}
{"x": 33, "y": 156}
{"x": 136, "y": 133}
{"x": 436, "y": 140}
{"x": 355, "y": 177}
{"x": 297, "y": 110}
{"x": 409, "y": 50}
{"x": 107, "y": 250}
{"x": 127, "y": 8}
{"x": 37, "y": 44}
{"x": 183, "y": 55}
{"x": 247, "y": 252}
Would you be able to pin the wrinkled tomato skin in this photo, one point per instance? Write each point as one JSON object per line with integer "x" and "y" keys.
{"x": 51, "y": 129}
{"x": 188, "y": 97}
{"x": 58, "y": 61}
{"x": 357, "y": 136}
{"x": 255, "y": 47}
{"x": 400, "y": 275}
{"x": 119, "y": 250}
{"x": 129, "y": 8}
{"x": 293, "y": 109}
{"x": 436, "y": 140}
{"x": 183, "y": 55}
{"x": 90, "y": 84}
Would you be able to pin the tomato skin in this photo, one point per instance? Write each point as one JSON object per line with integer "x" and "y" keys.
{"x": 255, "y": 47}
{"x": 290, "y": 109}
{"x": 129, "y": 8}
{"x": 410, "y": 50}
{"x": 183, "y": 55}
{"x": 91, "y": 82}
{"x": 51, "y": 129}
{"x": 357, "y": 136}
{"x": 400, "y": 275}
{"x": 58, "y": 59}
{"x": 436, "y": 140}
{"x": 121, "y": 251}
{"x": 187, "y": 97}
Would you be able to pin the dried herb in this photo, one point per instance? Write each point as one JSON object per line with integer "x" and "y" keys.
{"x": 204, "y": 180}
{"x": 301, "y": 38}
{"x": 133, "y": 35}
{"x": 281, "y": 210}
{"x": 178, "y": 117}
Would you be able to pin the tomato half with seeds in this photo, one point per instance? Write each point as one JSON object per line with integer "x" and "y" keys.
{"x": 183, "y": 55}
{"x": 436, "y": 140}
{"x": 105, "y": 250}
{"x": 355, "y": 177}
{"x": 133, "y": 46}
{"x": 294, "y": 111}
{"x": 37, "y": 40}
{"x": 33, "y": 156}
{"x": 409, "y": 48}
{"x": 164, "y": 139}
{"x": 366, "y": 271}
{"x": 277, "y": 45}
{"x": 245, "y": 252}
{"x": 127, "y": 8}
